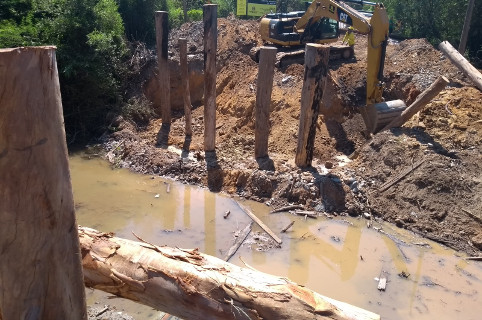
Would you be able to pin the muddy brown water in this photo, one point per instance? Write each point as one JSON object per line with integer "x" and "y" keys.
{"x": 340, "y": 258}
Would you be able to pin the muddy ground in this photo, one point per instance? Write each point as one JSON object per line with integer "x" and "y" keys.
{"x": 438, "y": 151}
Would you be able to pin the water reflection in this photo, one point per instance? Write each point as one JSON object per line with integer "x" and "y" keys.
{"x": 338, "y": 258}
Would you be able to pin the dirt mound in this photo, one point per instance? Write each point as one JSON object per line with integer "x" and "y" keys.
{"x": 440, "y": 198}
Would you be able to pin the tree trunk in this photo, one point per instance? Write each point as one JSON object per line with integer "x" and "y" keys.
{"x": 192, "y": 285}
{"x": 316, "y": 71}
{"x": 465, "y": 30}
{"x": 460, "y": 62}
{"x": 40, "y": 267}
{"x": 264, "y": 88}
{"x": 210, "y": 21}
{"x": 422, "y": 100}
{"x": 183, "y": 63}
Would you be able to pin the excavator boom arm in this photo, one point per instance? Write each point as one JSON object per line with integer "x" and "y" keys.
{"x": 335, "y": 10}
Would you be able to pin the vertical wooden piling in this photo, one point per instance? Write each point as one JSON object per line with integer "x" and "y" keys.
{"x": 316, "y": 70}
{"x": 210, "y": 45}
{"x": 40, "y": 264}
{"x": 162, "y": 36}
{"x": 465, "y": 30}
{"x": 185, "y": 85}
{"x": 264, "y": 88}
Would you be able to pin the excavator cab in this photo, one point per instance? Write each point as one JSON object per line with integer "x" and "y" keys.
{"x": 319, "y": 24}
{"x": 279, "y": 28}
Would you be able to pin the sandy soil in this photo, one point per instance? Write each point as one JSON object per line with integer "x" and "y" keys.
{"x": 439, "y": 150}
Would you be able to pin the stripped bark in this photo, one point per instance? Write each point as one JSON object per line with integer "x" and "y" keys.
{"x": 192, "y": 285}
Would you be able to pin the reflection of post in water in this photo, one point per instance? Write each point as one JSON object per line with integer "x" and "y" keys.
{"x": 171, "y": 211}
{"x": 299, "y": 258}
{"x": 417, "y": 275}
{"x": 210, "y": 223}
{"x": 187, "y": 207}
{"x": 347, "y": 258}
{"x": 398, "y": 256}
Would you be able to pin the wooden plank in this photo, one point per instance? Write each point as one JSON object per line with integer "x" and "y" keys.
{"x": 260, "y": 223}
{"x": 288, "y": 226}
{"x": 311, "y": 214}
{"x": 287, "y": 208}
{"x": 382, "y": 284}
{"x": 239, "y": 241}
{"x": 400, "y": 176}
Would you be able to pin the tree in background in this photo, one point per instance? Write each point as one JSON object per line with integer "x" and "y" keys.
{"x": 437, "y": 21}
{"x": 89, "y": 36}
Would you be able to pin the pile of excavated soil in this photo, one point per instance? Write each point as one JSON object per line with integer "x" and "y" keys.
{"x": 425, "y": 176}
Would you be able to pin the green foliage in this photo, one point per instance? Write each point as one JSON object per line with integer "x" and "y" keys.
{"x": 139, "y": 20}
{"x": 225, "y": 7}
{"x": 437, "y": 21}
{"x": 291, "y": 5}
{"x": 176, "y": 14}
{"x": 138, "y": 110}
{"x": 195, "y": 15}
{"x": 91, "y": 52}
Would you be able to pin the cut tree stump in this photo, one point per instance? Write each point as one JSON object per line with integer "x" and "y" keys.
{"x": 192, "y": 285}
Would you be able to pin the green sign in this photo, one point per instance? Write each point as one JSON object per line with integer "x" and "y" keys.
{"x": 255, "y": 8}
{"x": 241, "y": 8}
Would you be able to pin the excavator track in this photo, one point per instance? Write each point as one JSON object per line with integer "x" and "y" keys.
{"x": 285, "y": 58}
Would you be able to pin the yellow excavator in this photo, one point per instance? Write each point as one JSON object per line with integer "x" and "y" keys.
{"x": 319, "y": 24}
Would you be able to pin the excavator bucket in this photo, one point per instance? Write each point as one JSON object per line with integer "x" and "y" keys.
{"x": 378, "y": 115}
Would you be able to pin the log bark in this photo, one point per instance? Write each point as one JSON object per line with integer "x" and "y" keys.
{"x": 185, "y": 85}
{"x": 460, "y": 62}
{"x": 264, "y": 87}
{"x": 316, "y": 71}
{"x": 192, "y": 285}
{"x": 422, "y": 100}
{"x": 40, "y": 267}
{"x": 210, "y": 47}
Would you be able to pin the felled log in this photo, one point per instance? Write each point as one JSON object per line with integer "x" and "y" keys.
{"x": 422, "y": 100}
{"x": 460, "y": 62}
{"x": 192, "y": 285}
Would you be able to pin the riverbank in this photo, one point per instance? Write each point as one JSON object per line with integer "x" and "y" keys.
{"x": 438, "y": 152}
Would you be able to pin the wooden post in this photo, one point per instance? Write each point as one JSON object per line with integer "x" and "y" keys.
{"x": 465, "y": 30}
{"x": 264, "y": 87}
{"x": 422, "y": 100}
{"x": 210, "y": 12}
{"x": 162, "y": 37}
{"x": 316, "y": 69}
{"x": 40, "y": 266}
{"x": 460, "y": 62}
{"x": 185, "y": 85}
